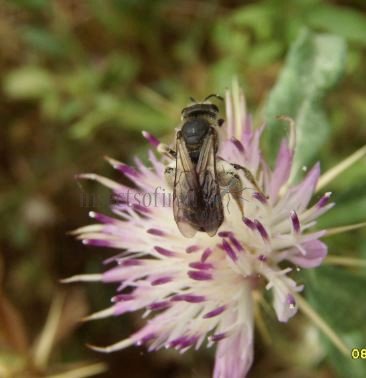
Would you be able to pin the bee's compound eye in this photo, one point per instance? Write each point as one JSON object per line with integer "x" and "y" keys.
{"x": 220, "y": 122}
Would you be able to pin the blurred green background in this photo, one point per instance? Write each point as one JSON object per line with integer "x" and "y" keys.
{"x": 81, "y": 80}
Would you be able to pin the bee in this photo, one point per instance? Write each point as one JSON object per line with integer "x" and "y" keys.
{"x": 197, "y": 175}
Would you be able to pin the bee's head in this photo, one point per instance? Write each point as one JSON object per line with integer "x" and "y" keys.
{"x": 203, "y": 108}
{"x": 200, "y": 109}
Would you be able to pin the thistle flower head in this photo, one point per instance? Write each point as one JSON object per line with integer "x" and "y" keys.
{"x": 201, "y": 290}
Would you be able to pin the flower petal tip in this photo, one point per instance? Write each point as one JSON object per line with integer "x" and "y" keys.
{"x": 97, "y": 348}
{"x": 113, "y": 347}
{"x": 110, "y": 160}
{"x": 66, "y": 280}
{"x": 82, "y": 278}
{"x": 151, "y": 138}
{"x": 82, "y": 176}
{"x": 71, "y": 233}
{"x": 99, "y": 315}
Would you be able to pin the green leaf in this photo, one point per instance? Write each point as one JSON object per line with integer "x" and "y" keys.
{"x": 347, "y": 366}
{"x": 129, "y": 114}
{"x": 265, "y": 53}
{"x": 339, "y": 297}
{"x": 350, "y": 199}
{"x": 313, "y": 66}
{"x": 222, "y": 72}
{"x": 31, "y": 4}
{"x": 28, "y": 82}
{"x": 344, "y": 213}
{"x": 342, "y": 21}
{"x": 44, "y": 41}
{"x": 258, "y": 17}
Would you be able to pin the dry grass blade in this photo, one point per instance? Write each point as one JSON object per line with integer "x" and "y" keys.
{"x": 346, "y": 261}
{"x": 339, "y": 230}
{"x": 12, "y": 332}
{"x": 74, "y": 309}
{"x": 321, "y": 324}
{"x": 81, "y": 372}
{"x": 332, "y": 173}
{"x": 43, "y": 346}
{"x": 261, "y": 325}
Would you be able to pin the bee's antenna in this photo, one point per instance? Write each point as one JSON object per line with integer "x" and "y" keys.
{"x": 213, "y": 95}
{"x": 192, "y": 99}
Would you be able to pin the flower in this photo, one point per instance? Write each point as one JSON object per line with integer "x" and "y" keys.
{"x": 202, "y": 289}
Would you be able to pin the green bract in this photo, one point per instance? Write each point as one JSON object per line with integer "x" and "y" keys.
{"x": 314, "y": 64}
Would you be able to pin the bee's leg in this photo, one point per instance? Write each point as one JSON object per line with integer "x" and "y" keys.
{"x": 169, "y": 174}
{"x": 164, "y": 149}
{"x": 230, "y": 182}
{"x": 249, "y": 176}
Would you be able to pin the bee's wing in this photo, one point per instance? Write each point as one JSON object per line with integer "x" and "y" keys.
{"x": 185, "y": 188}
{"x": 206, "y": 172}
{"x": 197, "y": 203}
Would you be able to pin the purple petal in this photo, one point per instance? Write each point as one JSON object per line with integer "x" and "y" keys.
{"x": 236, "y": 243}
{"x": 102, "y": 218}
{"x": 193, "y": 248}
{"x": 151, "y": 138}
{"x": 159, "y": 305}
{"x": 249, "y": 223}
{"x": 183, "y": 342}
{"x": 130, "y": 262}
{"x": 218, "y": 336}
{"x": 141, "y": 209}
{"x": 127, "y": 170}
{"x": 148, "y": 337}
{"x": 261, "y": 229}
{"x": 282, "y": 169}
{"x": 224, "y": 234}
{"x": 290, "y": 299}
{"x": 248, "y": 131}
{"x": 164, "y": 251}
{"x": 200, "y": 265}
{"x": 217, "y": 311}
{"x": 191, "y": 298}
{"x": 121, "y": 273}
{"x": 301, "y": 194}
{"x": 176, "y": 342}
{"x": 260, "y": 197}
{"x": 199, "y": 275}
{"x": 316, "y": 251}
{"x": 262, "y": 258}
{"x": 295, "y": 222}
{"x": 234, "y": 354}
{"x": 98, "y": 243}
{"x": 254, "y": 153}
{"x": 123, "y": 297}
{"x": 157, "y": 164}
{"x": 156, "y": 232}
{"x": 161, "y": 281}
{"x": 229, "y": 251}
{"x": 324, "y": 200}
{"x": 237, "y": 144}
{"x": 206, "y": 254}
{"x": 188, "y": 342}
{"x": 284, "y": 305}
